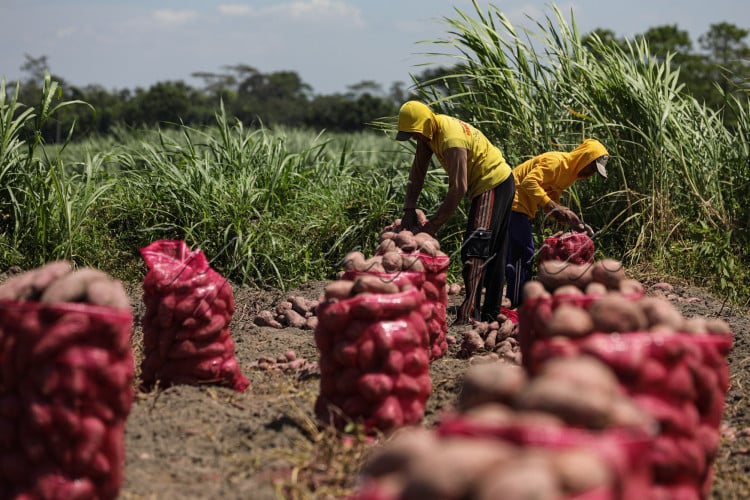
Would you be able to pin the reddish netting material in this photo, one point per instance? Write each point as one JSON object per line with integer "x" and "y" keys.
{"x": 66, "y": 373}
{"x": 434, "y": 308}
{"x": 374, "y": 362}
{"x": 436, "y": 300}
{"x": 681, "y": 379}
{"x": 621, "y": 449}
{"x": 577, "y": 248}
{"x": 533, "y": 316}
{"x": 189, "y": 307}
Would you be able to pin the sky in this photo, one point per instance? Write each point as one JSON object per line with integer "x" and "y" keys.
{"x": 330, "y": 44}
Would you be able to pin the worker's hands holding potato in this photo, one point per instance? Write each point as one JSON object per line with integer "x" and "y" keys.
{"x": 410, "y": 221}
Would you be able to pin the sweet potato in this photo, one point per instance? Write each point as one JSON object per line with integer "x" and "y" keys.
{"x": 452, "y": 469}
{"x": 339, "y": 290}
{"x": 569, "y": 320}
{"x": 533, "y": 290}
{"x": 44, "y": 276}
{"x": 493, "y": 382}
{"x": 405, "y": 241}
{"x": 527, "y": 475}
{"x": 616, "y": 313}
{"x": 392, "y": 262}
{"x": 595, "y": 288}
{"x": 405, "y": 446}
{"x": 73, "y": 286}
{"x": 570, "y": 290}
{"x": 609, "y": 272}
{"x": 583, "y": 371}
{"x": 580, "y": 471}
{"x": 375, "y": 386}
{"x": 566, "y": 400}
{"x": 555, "y": 273}
{"x": 109, "y": 292}
{"x": 412, "y": 263}
{"x": 354, "y": 261}
{"x": 426, "y": 238}
{"x": 659, "y": 311}
{"x": 373, "y": 284}
{"x": 386, "y": 246}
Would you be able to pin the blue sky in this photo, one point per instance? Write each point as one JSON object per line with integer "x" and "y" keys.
{"x": 331, "y": 44}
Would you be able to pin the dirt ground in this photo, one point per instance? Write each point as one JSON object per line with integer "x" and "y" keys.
{"x": 211, "y": 442}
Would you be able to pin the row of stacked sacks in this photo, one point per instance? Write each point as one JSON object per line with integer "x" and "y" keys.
{"x": 373, "y": 354}
{"x": 66, "y": 383}
{"x": 674, "y": 367}
{"x": 570, "y": 431}
{"x": 67, "y": 365}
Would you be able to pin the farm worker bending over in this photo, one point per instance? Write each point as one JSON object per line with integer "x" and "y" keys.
{"x": 475, "y": 168}
{"x": 540, "y": 181}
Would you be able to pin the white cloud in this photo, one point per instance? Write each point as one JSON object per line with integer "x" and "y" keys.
{"x": 67, "y": 31}
{"x": 235, "y": 9}
{"x": 174, "y": 17}
{"x": 301, "y": 10}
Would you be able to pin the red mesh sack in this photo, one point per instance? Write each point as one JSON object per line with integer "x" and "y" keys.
{"x": 66, "y": 373}
{"x": 436, "y": 301}
{"x": 432, "y": 281}
{"x": 680, "y": 379}
{"x": 534, "y": 315}
{"x": 189, "y": 307}
{"x": 374, "y": 363}
{"x": 621, "y": 449}
{"x": 574, "y": 247}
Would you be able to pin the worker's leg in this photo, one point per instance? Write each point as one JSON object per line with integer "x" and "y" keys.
{"x": 520, "y": 259}
{"x": 494, "y": 268}
{"x": 474, "y": 253}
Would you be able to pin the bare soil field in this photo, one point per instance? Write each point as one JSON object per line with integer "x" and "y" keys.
{"x": 212, "y": 442}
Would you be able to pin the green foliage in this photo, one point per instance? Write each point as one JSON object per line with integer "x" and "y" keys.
{"x": 279, "y": 205}
{"x": 676, "y": 166}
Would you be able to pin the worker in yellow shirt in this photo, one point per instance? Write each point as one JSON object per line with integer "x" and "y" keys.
{"x": 539, "y": 183}
{"x": 476, "y": 168}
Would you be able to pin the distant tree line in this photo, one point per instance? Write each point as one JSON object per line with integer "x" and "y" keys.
{"x": 720, "y": 68}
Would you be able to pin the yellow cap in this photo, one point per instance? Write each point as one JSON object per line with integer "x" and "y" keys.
{"x": 414, "y": 117}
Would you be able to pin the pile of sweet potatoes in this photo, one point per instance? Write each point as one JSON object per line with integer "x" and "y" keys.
{"x": 499, "y": 337}
{"x": 373, "y": 354}
{"x": 512, "y": 436}
{"x": 674, "y": 367}
{"x": 66, "y": 373}
{"x": 189, "y": 307}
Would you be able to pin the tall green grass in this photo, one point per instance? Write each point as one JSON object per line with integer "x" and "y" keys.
{"x": 678, "y": 175}
{"x": 280, "y": 207}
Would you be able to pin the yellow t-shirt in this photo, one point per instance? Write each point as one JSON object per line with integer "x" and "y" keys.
{"x": 486, "y": 167}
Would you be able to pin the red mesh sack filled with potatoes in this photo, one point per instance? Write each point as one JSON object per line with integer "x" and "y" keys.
{"x": 189, "y": 307}
{"x": 66, "y": 383}
{"x": 420, "y": 252}
{"x": 675, "y": 368}
{"x": 570, "y": 432}
{"x": 564, "y": 283}
{"x": 374, "y": 363}
{"x": 571, "y": 246}
{"x": 681, "y": 380}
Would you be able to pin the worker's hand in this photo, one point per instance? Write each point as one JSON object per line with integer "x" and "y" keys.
{"x": 430, "y": 228}
{"x": 409, "y": 220}
{"x": 572, "y": 220}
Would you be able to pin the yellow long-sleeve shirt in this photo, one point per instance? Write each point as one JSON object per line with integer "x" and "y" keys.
{"x": 544, "y": 177}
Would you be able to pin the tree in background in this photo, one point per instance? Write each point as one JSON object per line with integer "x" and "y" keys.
{"x": 719, "y": 75}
